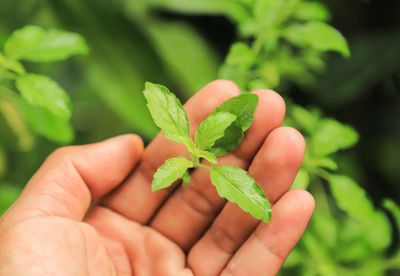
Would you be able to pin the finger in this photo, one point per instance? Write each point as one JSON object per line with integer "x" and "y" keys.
{"x": 195, "y": 206}
{"x": 268, "y": 247}
{"x": 274, "y": 169}
{"x": 72, "y": 176}
{"x": 134, "y": 199}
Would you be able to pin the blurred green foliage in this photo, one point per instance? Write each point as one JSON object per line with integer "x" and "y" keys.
{"x": 286, "y": 45}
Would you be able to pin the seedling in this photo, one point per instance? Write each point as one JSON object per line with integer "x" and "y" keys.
{"x": 221, "y": 132}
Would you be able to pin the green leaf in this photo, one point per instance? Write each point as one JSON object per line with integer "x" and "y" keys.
{"x": 331, "y": 136}
{"x": 326, "y": 228}
{"x": 237, "y": 186}
{"x": 233, "y": 136}
{"x": 379, "y": 234}
{"x": 185, "y": 179}
{"x": 210, "y": 157}
{"x": 394, "y": 209}
{"x": 42, "y": 91}
{"x": 24, "y": 117}
{"x": 212, "y": 128}
{"x": 237, "y": 64}
{"x": 351, "y": 198}
{"x": 269, "y": 73}
{"x": 311, "y": 11}
{"x": 43, "y": 122}
{"x": 169, "y": 172}
{"x": 317, "y": 35}
{"x": 302, "y": 180}
{"x": 11, "y": 64}
{"x": 12, "y": 107}
{"x": 304, "y": 118}
{"x": 33, "y": 43}
{"x": 243, "y": 107}
{"x": 240, "y": 54}
{"x": 167, "y": 112}
{"x": 270, "y": 13}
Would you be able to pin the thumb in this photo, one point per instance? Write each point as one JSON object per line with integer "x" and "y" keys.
{"x": 73, "y": 176}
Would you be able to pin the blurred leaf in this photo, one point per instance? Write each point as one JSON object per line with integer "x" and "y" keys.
{"x": 259, "y": 83}
{"x": 269, "y": 71}
{"x": 322, "y": 162}
{"x": 305, "y": 119}
{"x": 379, "y": 233}
{"x": 351, "y": 198}
{"x": 270, "y": 13}
{"x": 11, "y": 64}
{"x": 33, "y": 43}
{"x": 357, "y": 250}
{"x": 313, "y": 59}
{"x": 317, "y": 35}
{"x": 331, "y": 136}
{"x": 302, "y": 180}
{"x": 12, "y": 108}
{"x": 394, "y": 209}
{"x": 3, "y": 162}
{"x": 307, "y": 11}
{"x": 326, "y": 228}
{"x": 40, "y": 90}
{"x": 231, "y": 9}
{"x": 8, "y": 194}
{"x": 45, "y": 123}
{"x": 319, "y": 254}
{"x": 240, "y": 54}
{"x": 295, "y": 258}
{"x": 190, "y": 60}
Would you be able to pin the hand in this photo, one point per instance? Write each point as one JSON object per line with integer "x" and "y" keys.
{"x": 89, "y": 210}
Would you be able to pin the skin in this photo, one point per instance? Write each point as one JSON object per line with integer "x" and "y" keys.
{"x": 89, "y": 209}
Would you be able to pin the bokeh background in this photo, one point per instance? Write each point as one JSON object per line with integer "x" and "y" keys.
{"x": 182, "y": 44}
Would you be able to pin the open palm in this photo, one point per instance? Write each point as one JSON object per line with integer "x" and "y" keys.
{"x": 89, "y": 210}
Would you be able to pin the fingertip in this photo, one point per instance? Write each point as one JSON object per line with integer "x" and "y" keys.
{"x": 294, "y": 140}
{"x": 273, "y": 100}
{"x": 304, "y": 201}
{"x": 288, "y": 148}
{"x": 128, "y": 143}
{"x": 216, "y": 92}
{"x": 223, "y": 85}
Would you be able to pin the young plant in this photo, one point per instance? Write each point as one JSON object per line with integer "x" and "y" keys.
{"x": 221, "y": 132}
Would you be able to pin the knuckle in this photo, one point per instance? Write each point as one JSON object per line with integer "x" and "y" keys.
{"x": 224, "y": 238}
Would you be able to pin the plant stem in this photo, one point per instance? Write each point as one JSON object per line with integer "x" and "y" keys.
{"x": 203, "y": 166}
